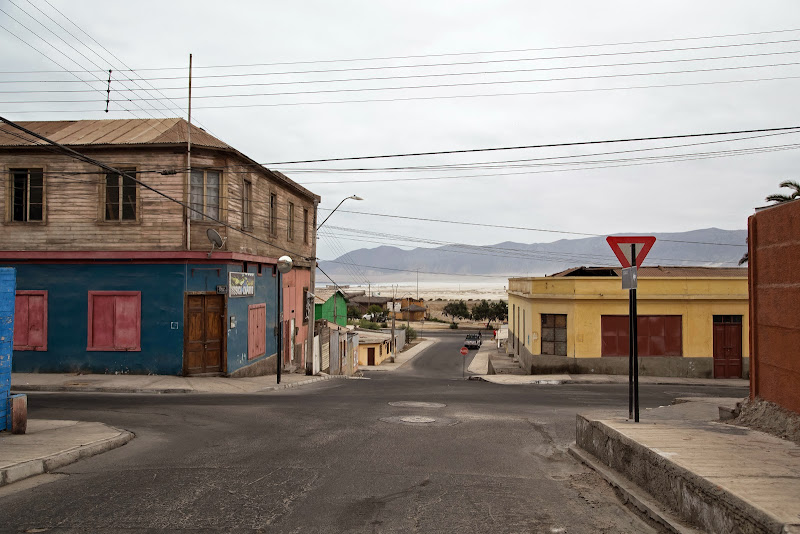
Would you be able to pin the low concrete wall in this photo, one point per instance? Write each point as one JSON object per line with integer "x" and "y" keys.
{"x": 695, "y": 498}
{"x": 650, "y": 366}
{"x": 265, "y": 366}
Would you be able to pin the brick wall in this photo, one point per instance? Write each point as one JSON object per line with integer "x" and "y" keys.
{"x": 774, "y": 271}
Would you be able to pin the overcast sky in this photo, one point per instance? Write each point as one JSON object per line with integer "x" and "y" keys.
{"x": 595, "y": 103}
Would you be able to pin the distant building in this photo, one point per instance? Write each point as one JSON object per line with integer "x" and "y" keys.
{"x": 331, "y": 305}
{"x": 774, "y": 266}
{"x": 412, "y": 310}
{"x": 373, "y": 347}
{"x": 692, "y": 321}
{"x": 365, "y": 301}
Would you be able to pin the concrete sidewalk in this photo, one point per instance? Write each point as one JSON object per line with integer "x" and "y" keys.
{"x": 681, "y": 465}
{"x": 50, "y": 444}
{"x": 96, "y": 383}
{"x": 402, "y": 357}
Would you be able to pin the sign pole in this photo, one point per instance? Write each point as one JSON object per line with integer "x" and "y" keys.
{"x": 635, "y": 344}
{"x": 629, "y": 278}
{"x": 631, "y": 337}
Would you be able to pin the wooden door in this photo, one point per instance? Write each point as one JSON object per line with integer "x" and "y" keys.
{"x": 371, "y": 356}
{"x": 727, "y": 346}
{"x": 204, "y": 335}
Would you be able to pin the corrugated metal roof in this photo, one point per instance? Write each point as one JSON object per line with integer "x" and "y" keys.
{"x": 365, "y": 299}
{"x": 372, "y": 336}
{"x": 660, "y": 271}
{"x": 114, "y": 132}
{"x": 322, "y": 295}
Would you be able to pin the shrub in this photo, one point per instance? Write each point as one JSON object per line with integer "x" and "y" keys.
{"x": 411, "y": 334}
{"x": 368, "y": 325}
{"x": 453, "y": 325}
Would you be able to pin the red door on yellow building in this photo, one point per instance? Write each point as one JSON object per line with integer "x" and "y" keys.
{"x": 727, "y": 346}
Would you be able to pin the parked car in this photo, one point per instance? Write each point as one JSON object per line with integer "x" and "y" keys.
{"x": 473, "y": 341}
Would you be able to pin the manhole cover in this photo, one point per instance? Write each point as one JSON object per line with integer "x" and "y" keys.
{"x": 415, "y": 404}
{"x": 417, "y": 419}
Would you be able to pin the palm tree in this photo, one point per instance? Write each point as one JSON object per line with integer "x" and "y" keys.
{"x": 778, "y": 198}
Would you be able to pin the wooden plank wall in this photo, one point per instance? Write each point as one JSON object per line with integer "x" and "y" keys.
{"x": 74, "y": 206}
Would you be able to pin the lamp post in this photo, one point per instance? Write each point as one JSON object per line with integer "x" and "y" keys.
{"x": 284, "y": 266}
{"x": 351, "y": 197}
{"x": 312, "y": 281}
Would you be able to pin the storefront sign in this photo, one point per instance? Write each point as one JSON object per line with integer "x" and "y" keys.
{"x": 241, "y": 284}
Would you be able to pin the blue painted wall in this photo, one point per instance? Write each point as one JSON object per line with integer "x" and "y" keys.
{"x": 163, "y": 287}
{"x": 266, "y": 291}
{"x": 7, "y": 292}
{"x": 68, "y": 285}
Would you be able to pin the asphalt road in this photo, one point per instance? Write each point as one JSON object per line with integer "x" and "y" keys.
{"x": 338, "y": 456}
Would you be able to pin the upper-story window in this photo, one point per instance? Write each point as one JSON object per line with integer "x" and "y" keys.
{"x": 305, "y": 226}
{"x": 273, "y": 214}
{"x": 27, "y": 195}
{"x": 204, "y": 187}
{"x": 247, "y": 211}
{"x": 290, "y": 223}
{"x": 120, "y": 196}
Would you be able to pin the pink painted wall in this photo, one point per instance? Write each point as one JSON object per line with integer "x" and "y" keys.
{"x": 293, "y": 284}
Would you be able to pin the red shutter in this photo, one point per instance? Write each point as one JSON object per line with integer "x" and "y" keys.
{"x": 114, "y": 320}
{"x": 30, "y": 320}
{"x": 126, "y": 322}
{"x": 256, "y": 331}
{"x": 657, "y": 335}
{"x": 20, "y": 321}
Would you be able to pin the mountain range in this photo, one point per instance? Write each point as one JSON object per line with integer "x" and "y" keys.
{"x": 707, "y": 247}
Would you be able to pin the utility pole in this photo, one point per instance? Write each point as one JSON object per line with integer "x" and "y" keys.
{"x": 188, "y": 180}
{"x": 394, "y": 312}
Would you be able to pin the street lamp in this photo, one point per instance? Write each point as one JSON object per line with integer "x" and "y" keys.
{"x": 284, "y": 266}
{"x": 309, "y": 369}
{"x": 352, "y": 197}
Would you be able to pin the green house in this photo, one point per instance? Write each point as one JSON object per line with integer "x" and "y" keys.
{"x": 331, "y": 305}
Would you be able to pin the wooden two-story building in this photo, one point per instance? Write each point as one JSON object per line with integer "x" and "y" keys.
{"x": 114, "y": 276}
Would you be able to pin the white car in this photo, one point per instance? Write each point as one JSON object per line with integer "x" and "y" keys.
{"x": 473, "y": 341}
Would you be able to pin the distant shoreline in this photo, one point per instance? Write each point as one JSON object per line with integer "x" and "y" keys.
{"x": 490, "y": 290}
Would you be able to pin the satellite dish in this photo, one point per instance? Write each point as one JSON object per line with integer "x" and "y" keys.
{"x": 216, "y": 240}
{"x": 285, "y": 264}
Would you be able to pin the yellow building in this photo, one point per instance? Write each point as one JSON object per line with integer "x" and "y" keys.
{"x": 373, "y": 347}
{"x": 692, "y": 321}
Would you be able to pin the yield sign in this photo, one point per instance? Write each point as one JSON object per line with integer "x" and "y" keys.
{"x": 621, "y": 245}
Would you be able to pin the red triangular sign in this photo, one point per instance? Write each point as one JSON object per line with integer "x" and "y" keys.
{"x": 621, "y": 245}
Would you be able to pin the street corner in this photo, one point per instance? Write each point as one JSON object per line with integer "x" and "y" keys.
{"x": 52, "y": 444}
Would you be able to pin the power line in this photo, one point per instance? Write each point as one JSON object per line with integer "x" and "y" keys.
{"x": 434, "y": 75}
{"x": 545, "y": 145}
{"x": 507, "y": 227}
{"x": 447, "y": 97}
{"x": 416, "y": 87}
{"x": 385, "y": 58}
{"x": 652, "y": 160}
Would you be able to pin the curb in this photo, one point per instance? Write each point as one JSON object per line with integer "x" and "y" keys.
{"x": 311, "y": 380}
{"x": 99, "y": 389}
{"x": 632, "y": 495}
{"x": 601, "y": 381}
{"x": 31, "y": 468}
